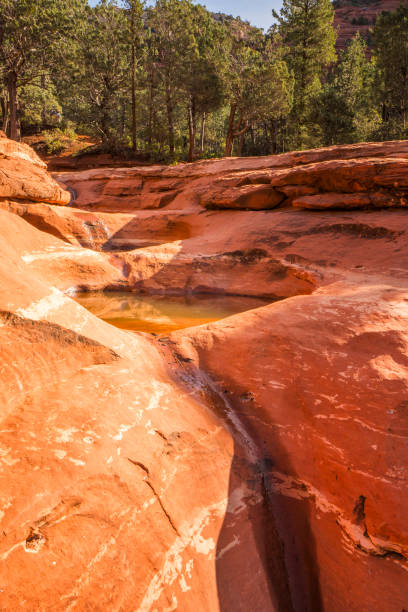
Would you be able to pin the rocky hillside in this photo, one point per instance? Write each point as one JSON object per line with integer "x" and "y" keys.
{"x": 352, "y": 16}
{"x": 257, "y": 463}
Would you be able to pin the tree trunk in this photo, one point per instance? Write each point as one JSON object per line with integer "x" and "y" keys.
{"x": 202, "y": 133}
{"x": 13, "y": 131}
{"x": 252, "y": 137}
{"x": 134, "y": 133}
{"x": 122, "y": 120}
{"x": 105, "y": 124}
{"x": 191, "y": 130}
{"x": 44, "y": 109}
{"x": 5, "y": 113}
{"x": 150, "y": 125}
{"x": 170, "y": 120}
{"x": 230, "y": 134}
{"x": 239, "y": 132}
{"x": 241, "y": 144}
{"x": 274, "y": 134}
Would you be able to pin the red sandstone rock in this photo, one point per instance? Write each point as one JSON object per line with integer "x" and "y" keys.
{"x": 257, "y": 463}
{"x": 295, "y": 191}
{"x": 348, "y": 200}
{"x": 98, "y": 447}
{"x": 252, "y": 183}
{"x": 10, "y": 149}
{"x": 23, "y": 176}
{"x": 259, "y": 197}
{"x": 317, "y": 396}
{"x": 21, "y": 180}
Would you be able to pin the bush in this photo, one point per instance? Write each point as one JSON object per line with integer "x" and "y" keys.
{"x": 69, "y": 132}
{"x": 360, "y": 21}
{"x": 53, "y": 142}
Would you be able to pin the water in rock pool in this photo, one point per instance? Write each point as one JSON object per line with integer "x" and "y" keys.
{"x": 161, "y": 314}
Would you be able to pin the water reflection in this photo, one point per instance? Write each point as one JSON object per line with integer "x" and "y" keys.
{"x": 162, "y": 314}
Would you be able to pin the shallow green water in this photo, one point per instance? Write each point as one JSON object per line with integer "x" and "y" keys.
{"x": 162, "y": 314}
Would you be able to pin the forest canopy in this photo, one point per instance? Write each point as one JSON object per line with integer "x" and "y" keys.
{"x": 173, "y": 81}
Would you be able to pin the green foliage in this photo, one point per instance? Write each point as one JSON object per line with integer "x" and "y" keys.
{"x": 53, "y": 143}
{"x": 174, "y": 82}
{"x": 360, "y": 20}
{"x": 56, "y": 140}
{"x": 185, "y": 66}
{"x": 99, "y": 71}
{"x": 259, "y": 86}
{"x": 39, "y": 105}
{"x": 391, "y": 59}
{"x": 34, "y": 38}
{"x": 307, "y": 30}
{"x": 344, "y": 111}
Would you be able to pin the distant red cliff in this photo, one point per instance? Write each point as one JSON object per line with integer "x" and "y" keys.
{"x": 354, "y": 16}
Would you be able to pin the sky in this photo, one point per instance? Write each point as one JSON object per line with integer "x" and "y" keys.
{"x": 257, "y": 12}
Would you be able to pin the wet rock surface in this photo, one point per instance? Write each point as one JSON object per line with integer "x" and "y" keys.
{"x": 256, "y": 463}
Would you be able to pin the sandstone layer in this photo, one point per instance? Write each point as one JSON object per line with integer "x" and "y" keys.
{"x": 375, "y": 173}
{"x": 257, "y": 463}
{"x": 23, "y": 175}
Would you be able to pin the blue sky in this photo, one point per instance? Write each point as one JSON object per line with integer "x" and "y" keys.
{"x": 257, "y": 12}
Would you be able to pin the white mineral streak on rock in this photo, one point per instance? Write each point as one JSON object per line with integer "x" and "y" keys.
{"x": 234, "y": 542}
{"x": 191, "y": 536}
{"x": 66, "y": 435}
{"x": 240, "y": 498}
{"x": 8, "y": 552}
{"x": 6, "y": 505}
{"x": 173, "y": 567}
{"x": 173, "y": 606}
{"x": 70, "y": 253}
{"x": 76, "y": 461}
{"x": 60, "y": 454}
{"x": 44, "y": 306}
{"x": 158, "y": 391}
{"x": 5, "y": 457}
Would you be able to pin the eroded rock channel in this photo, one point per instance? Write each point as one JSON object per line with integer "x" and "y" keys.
{"x": 257, "y": 462}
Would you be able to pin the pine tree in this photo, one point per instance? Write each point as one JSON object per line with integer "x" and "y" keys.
{"x": 345, "y": 111}
{"x": 169, "y": 40}
{"x": 259, "y": 86}
{"x": 98, "y": 74}
{"x": 307, "y": 29}
{"x": 391, "y": 58}
{"x": 204, "y": 64}
{"x": 188, "y": 53}
{"x": 135, "y": 16}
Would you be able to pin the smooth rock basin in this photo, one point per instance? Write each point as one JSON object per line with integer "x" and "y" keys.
{"x": 162, "y": 314}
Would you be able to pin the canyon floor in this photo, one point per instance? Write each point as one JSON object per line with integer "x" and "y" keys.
{"x": 255, "y": 464}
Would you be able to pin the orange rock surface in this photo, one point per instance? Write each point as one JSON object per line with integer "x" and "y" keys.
{"x": 24, "y": 177}
{"x": 256, "y": 463}
{"x": 250, "y": 183}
